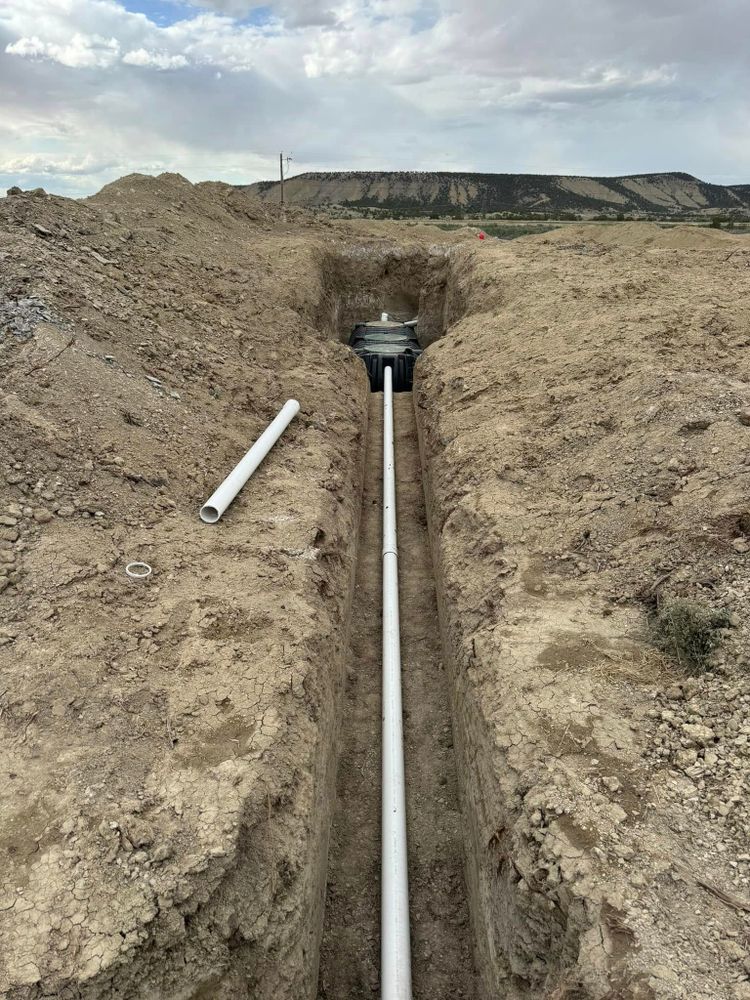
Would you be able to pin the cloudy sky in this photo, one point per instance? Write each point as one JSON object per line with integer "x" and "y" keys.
{"x": 93, "y": 89}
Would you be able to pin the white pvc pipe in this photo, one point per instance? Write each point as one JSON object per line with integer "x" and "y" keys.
{"x": 218, "y": 502}
{"x": 395, "y": 950}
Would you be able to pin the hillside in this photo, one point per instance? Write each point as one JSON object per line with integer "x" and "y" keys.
{"x": 668, "y": 194}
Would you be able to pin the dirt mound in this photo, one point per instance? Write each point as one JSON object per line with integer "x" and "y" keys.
{"x": 585, "y": 436}
{"x": 168, "y": 744}
{"x": 637, "y": 234}
{"x": 140, "y": 186}
{"x": 697, "y": 238}
{"x": 168, "y": 196}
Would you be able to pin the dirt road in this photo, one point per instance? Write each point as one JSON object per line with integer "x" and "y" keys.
{"x": 442, "y": 961}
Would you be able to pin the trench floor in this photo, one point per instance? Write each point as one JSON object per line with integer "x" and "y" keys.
{"x": 442, "y": 965}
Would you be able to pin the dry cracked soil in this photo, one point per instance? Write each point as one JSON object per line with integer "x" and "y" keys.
{"x": 189, "y": 765}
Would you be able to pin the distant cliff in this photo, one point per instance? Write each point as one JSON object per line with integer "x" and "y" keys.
{"x": 449, "y": 193}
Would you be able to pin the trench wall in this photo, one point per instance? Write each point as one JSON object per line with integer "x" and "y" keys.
{"x": 530, "y": 939}
{"x": 362, "y": 280}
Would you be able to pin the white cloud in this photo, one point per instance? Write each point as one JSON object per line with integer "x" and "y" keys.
{"x": 157, "y": 60}
{"x": 599, "y": 86}
{"x": 38, "y": 164}
{"x": 80, "y": 52}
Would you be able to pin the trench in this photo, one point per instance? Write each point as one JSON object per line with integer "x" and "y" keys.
{"x": 478, "y": 929}
{"x": 442, "y": 964}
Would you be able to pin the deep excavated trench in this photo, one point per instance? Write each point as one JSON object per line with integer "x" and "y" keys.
{"x": 174, "y": 748}
{"x": 360, "y": 286}
{"x": 442, "y": 964}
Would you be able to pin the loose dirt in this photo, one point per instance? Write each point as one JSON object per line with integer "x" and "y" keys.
{"x": 640, "y": 234}
{"x": 170, "y": 750}
{"x": 167, "y": 750}
{"x": 585, "y": 436}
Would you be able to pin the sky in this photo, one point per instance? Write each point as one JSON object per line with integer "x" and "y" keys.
{"x": 215, "y": 89}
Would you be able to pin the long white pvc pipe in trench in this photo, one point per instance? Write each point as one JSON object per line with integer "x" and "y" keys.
{"x": 395, "y": 948}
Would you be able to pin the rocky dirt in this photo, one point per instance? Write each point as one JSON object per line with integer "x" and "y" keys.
{"x": 585, "y": 437}
{"x": 170, "y": 749}
{"x": 167, "y": 747}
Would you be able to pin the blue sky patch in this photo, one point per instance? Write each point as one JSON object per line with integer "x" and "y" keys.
{"x": 166, "y": 12}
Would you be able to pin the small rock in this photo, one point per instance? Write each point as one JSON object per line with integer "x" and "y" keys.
{"x": 98, "y": 257}
{"x": 8, "y": 522}
{"x": 740, "y": 545}
{"x": 697, "y": 424}
{"x": 42, "y": 515}
{"x": 42, "y": 230}
{"x": 624, "y": 852}
{"x": 664, "y": 973}
{"x": 743, "y": 416}
{"x": 685, "y": 758}
{"x": 701, "y": 735}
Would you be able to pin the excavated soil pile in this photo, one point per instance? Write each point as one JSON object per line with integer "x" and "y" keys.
{"x": 586, "y": 443}
{"x": 642, "y": 234}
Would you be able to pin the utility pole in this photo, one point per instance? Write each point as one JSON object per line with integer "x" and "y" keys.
{"x": 284, "y": 162}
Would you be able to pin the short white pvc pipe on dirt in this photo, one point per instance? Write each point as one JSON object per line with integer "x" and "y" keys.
{"x": 395, "y": 948}
{"x": 219, "y": 500}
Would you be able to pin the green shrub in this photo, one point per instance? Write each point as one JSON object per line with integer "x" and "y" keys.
{"x": 688, "y": 631}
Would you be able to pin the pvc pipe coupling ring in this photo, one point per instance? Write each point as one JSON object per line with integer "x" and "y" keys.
{"x": 138, "y": 570}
